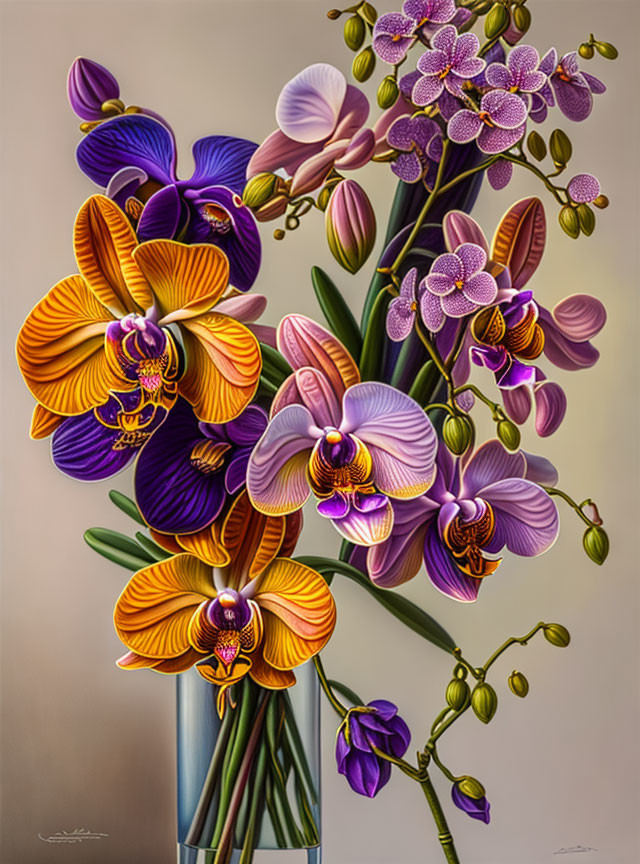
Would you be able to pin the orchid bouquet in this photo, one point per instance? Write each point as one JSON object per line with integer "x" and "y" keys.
{"x": 152, "y": 356}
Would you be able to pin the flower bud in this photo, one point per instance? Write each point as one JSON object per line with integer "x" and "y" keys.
{"x": 457, "y": 433}
{"x": 323, "y": 197}
{"x": 369, "y": 14}
{"x": 536, "y": 145}
{"x": 586, "y": 51}
{"x": 333, "y": 14}
{"x": 259, "y": 189}
{"x": 596, "y": 544}
{"x": 606, "y": 50}
{"x": 279, "y": 234}
{"x": 509, "y": 434}
{"x": 460, "y": 671}
{"x": 497, "y": 21}
{"x": 518, "y": 684}
{"x": 569, "y": 221}
{"x": 557, "y": 635}
{"x": 457, "y": 694}
{"x": 89, "y": 85}
{"x": 601, "y": 202}
{"x": 560, "y": 147}
{"x": 586, "y": 218}
{"x": 484, "y": 702}
{"x": 354, "y": 32}
{"x": 363, "y": 65}
{"x": 483, "y": 7}
{"x": 522, "y": 18}
{"x": 471, "y": 787}
{"x": 387, "y": 92}
{"x": 350, "y": 224}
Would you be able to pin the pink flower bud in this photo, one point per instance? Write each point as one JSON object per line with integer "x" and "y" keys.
{"x": 351, "y": 225}
{"x": 89, "y": 85}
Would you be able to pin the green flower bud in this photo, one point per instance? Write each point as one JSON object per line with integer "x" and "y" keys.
{"x": 522, "y": 18}
{"x": 484, "y": 702}
{"x": 259, "y": 189}
{"x": 557, "y": 635}
{"x": 518, "y": 684}
{"x": 560, "y": 147}
{"x": 363, "y": 65}
{"x": 471, "y": 787}
{"x": 586, "y": 51}
{"x": 323, "y": 197}
{"x": 509, "y": 434}
{"x": 587, "y": 219}
{"x": 601, "y": 202}
{"x": 596, "y": 544}
{"x": 387, "y": 92}
{"x": 497, "y": 21}
{"x": 369, "y": 13}
{"x": 460, "y": 671}
{"x": 457, "y": 694}
{"x": 333, "y": 14}
{"x": 483, "y": 8}
{"x": 606, "y": 50}
{"x": 354, "y": 32}
{"x": 569, "y": 221}
{"x": 536, "y": 145}
{"x": 457, "y": 433}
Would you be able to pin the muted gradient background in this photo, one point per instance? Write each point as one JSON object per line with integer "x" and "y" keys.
{"x": 86, "y": 745}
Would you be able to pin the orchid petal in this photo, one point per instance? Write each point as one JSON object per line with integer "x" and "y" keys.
{"x": 309, "y": 105}
{"x": 526, "y": 519}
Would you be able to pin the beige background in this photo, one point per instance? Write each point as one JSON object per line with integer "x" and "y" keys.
{"x": 86, "y": 745}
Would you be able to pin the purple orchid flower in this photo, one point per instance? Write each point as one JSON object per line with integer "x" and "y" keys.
{"x": 450, "y": 62}
{"x": 374, "y": 725}
{"x": 568, "y": 86}
{"x": 393, "y": 36}
{"x": 354, "y": 445}
{"x": 473, "y": 510}
{"x": 131, "y": 155}
{"x": 188, "y": 468}
{"x": 583, "y": 188}
{"x": 520, "y": 74}
{"x": 430, "y": 27}
{"x": 457, "y": 285}
{"x": 476, "y": 808}
{"x": 403, "y": 310}
{"x": 420, "y": 139}
{"x": 429, "y": 11}
{"x": 499, "y": 124}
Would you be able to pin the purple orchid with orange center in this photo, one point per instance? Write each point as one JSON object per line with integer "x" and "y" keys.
{"x": 473, "y": 510}
{"x": 498, "y": 125}
{"x": 568, "y": 86}
{"x": 256, "y": 612}
{"x": 98, "y": 348}
{"x": 354, "y": 445}
{"x": 450, "y": 62}
{"x": 134, "y": 158}
{"x": 419, "y": 140}
{"x": 457, "y": 285}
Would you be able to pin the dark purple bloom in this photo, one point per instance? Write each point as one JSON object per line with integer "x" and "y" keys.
{"x": 450, "y": 62}
{"x": 89, "y": 86}
{"x": 420, "y": 139}
{"x": 374, "y": 725}
{"x": 498, "y": 125}
{"x": 571, "y": 88}
{"x": 184, "y": 474}
{"x": 393, "y": 36}
{"x": 520, "y": 74}
{"x": 132, "y": 155}
{"x": 477, "y": 808}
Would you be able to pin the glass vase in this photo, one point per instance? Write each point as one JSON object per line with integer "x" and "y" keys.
{"x": 250, "y": 780}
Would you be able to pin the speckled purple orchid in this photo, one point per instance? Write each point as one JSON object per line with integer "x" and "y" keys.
{"x": 450, "y": 62}
{"x": 520, "y": 73}
{"x": 429, "y": 11}
{"x": 457, "y": 285}
{"x": 583, "y": 188}
{"x": 420, "y": 140}
{"x": 498, "y": 125}
{"x": 476, "y": 808}
{"x": 321, "y": 126}
{"x": 374, "y": 725}
{"x": 132, "y": 155}
{"x": 404, "y": 309}
{"x": 353, "y": 445}
{"x": 460, "y": 18}
{"x": 474, "y": 509}
{"x": 393, "y": 36}
{"x": 188, "y": 468}
{"x": 568, "y": 86}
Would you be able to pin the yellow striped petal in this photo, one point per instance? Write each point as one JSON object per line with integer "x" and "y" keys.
{"x": 186, "y": 280}
{"x": 43, "y": 422}
{"x": 153, "y": 612}
{"x": 104, "y": 241}
{"x": 223, "y": 367}
{"x": 60, "y": 350}
{"x": 181, "y": 663}
{"x": 206, "y": 545}
{"x": 251, "y": 540}
{"x": 266, "y": 676}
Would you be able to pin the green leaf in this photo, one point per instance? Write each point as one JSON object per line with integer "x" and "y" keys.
{"x": 151, "y": 548}
{"x": 339, "y": 317}
{"x": 345, "y": 691}
{"x": 127, "y": 506}
{"x": 404, "y": 610}
{"x": 274, "y": 367}
{"x": 425, "y": 383}
{"x": 128, "y": 555}
{"x": 266, "y": 388}
{"x": 372, "y": 347}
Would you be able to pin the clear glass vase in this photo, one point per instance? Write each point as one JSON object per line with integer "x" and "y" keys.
{"x": 251, "y": 780}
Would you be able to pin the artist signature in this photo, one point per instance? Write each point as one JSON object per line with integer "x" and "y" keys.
{"x": 566, "y": 850}
{"x": 76, "y": 836}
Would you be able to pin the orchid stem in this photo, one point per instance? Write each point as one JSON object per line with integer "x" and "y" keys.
{"x": 336, "y": 704}
{"x": 551, "y": 490}
{"x": 444, "y": 835}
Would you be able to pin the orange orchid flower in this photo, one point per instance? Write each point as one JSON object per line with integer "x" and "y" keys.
{"x": 233, "y": 605}
{"x": 106, "y": 329}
